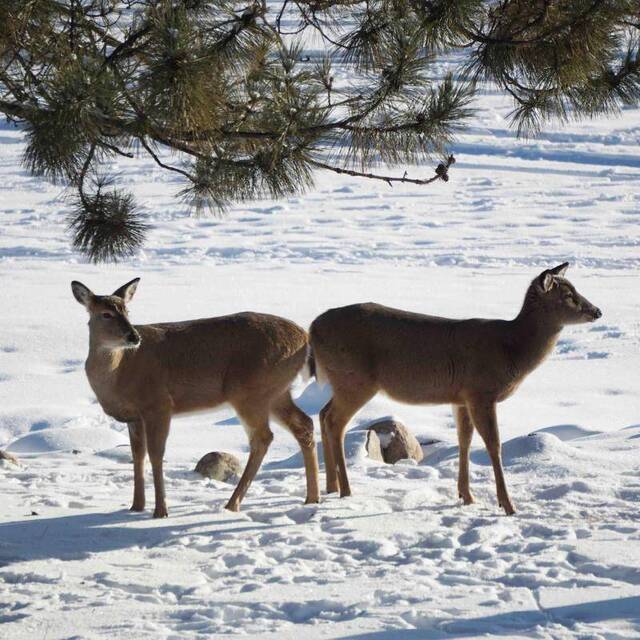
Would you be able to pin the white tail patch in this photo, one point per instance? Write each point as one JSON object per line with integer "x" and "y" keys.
{"x": 305, "y": 372}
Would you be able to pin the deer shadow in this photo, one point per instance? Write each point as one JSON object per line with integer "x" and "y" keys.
{"x": 79, "y": 536}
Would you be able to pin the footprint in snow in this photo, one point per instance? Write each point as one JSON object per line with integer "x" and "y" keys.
{"x": 69, "y": 366}
{"x": 597, "y": 355}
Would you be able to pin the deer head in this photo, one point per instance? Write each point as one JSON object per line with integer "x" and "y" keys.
{"x": 109, "y": 325}
{"x": 559, "y": 298}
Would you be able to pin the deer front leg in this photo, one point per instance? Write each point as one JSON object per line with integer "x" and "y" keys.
{"x": 483, "y": 415}
{"x": 464, "y": 427}
{"x": 156, "y": 425}
{"x": 138, "y": 442}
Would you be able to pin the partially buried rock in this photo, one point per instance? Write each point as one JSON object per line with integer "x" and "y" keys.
{"x": 396, "y": 441}
{"x": 5, "y": 455}
{"x": 219, "y": 466}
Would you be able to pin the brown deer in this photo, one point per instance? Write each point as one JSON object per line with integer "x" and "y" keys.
{"x": 472, "y": 364}
{"x": 145, "y": 374}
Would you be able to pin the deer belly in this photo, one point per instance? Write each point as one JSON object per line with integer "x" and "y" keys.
{"x": 194, "y": 409}
{"x": 193, "y": 400}
{"x": 415, "y": 387}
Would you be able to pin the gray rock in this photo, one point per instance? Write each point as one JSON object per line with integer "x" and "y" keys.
{"x": 396, "y": 441}
{"x": 374, "y": 450}
{"x": 219, "y": 466}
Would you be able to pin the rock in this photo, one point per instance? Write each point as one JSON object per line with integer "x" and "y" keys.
{"x": 396, "y": 441}
{"x": 5, "y": 455}
{"x": 374, "y": 450}
{"x": 219, "y": 466}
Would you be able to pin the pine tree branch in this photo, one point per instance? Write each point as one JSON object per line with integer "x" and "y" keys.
{"x": 441, "y": 173}
{"x": 159, "y": 162}
{"x": 482, "y": 38}
{"x": 83, "y": 174}
{"x": 221, "y": 83}
{"x": 124, "y": 48}
{"x": 114, "y": 149}
{"x": 16, "y": 109}
{"x": 313, "y": 21}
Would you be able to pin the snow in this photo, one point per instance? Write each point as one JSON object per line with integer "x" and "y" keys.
{"x": 402, "y": 558}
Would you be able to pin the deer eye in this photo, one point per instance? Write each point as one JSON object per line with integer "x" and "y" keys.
{"x": 107, "y": 315}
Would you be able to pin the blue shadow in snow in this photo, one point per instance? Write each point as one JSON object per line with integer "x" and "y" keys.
{"x": 517, "y": 622}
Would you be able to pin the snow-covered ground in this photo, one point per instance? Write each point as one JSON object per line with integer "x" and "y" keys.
{"x": 402, "y": 557}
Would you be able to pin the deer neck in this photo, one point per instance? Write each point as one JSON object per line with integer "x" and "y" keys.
{"x": 109, "y": 371}
{"x": 534, "y": 335}
{"x": 103, "y": 363}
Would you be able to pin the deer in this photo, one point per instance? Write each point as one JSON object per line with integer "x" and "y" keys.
{"x": 471, "y": 364}
{"x": 143, "y": 375}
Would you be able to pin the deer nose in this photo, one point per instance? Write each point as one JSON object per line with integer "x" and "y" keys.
{"x": 597, "y": 313}
{"x": 133, "y": 338}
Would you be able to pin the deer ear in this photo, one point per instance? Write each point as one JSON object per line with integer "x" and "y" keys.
{"x": 546, "y": 281}
{"x": 126, "y": 291}
{"x": 560, "y": 270}
{"x": 81, "y": 293}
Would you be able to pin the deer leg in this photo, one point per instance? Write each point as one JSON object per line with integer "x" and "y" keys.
{"x": 464, "y": 427}
{"x": 260, "y": 437}
{"x": 156, "y": 426}
{"x": 138, "y": 442}
{"x": 301, "y": 426}
{"x": 483, "y": 415}
{"x": 327, "y": 450}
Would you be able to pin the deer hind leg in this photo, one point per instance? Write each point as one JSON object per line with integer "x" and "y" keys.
{"x": 156, "y": 426}
{"x": 256, "y": 424}
{"x": 301, "y": 426}
{"x": 331, "y": 470}
{"x": 464, "y": 427}
{"x": 138, "y": 441}
{"x": 335, "y": 416}
{"x": 483, "y": 415}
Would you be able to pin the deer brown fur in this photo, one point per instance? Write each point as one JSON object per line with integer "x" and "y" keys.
{"x": 145, "y": 374}
{"x": 472, "y": 364}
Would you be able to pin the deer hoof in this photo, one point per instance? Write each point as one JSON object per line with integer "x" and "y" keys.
{"x": 345, "y": 493}
{"x": 137, "y": 507}
{"x": 315, "y": 500}
{"x": 468, "y": 499}
{"x": 161, "y": 512}
{"x": 508, "y": 509}
{"x": 232, "y": 506}
{"x": 332, "y": 487}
